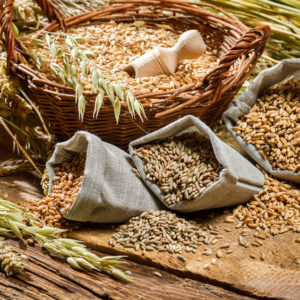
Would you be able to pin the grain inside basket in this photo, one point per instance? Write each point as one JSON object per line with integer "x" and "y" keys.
{"x": 115, "y": 45}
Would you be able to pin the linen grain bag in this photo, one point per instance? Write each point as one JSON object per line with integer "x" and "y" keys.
{"x": 285, "y": 69}
{"x": 110, "y": 191}
{"x": 238, "y": 180}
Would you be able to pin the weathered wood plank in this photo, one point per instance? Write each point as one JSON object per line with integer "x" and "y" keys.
{"x": 48, "y": 278}
{"x": 278, "y": 276}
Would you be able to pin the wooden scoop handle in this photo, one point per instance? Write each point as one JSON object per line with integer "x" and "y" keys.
{"x": 165, "y": 60}
{"x": 190, "y": 45}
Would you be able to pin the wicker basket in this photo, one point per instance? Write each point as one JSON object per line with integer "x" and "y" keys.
{"x": 237, "y": 48}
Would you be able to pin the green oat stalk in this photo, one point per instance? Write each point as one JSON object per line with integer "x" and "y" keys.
{"x": 72, "y": 64}
{"x": 15, "y": 220}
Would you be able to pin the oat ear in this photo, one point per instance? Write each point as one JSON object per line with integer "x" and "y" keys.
{"x": 78, "y": 69}
{"x": 74, "y": 251}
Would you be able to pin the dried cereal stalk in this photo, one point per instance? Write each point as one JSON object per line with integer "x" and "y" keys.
{"x": 273, "y": 126}
{"x": 18, "y": 113}
{"x": 13, "y": 166}
{"x": 74, "y": 7}
{"x": 19, "y": 146}
{"x": 10, "y": 262}
{"x": 183, "y": 167}
{"x": 26, "y": 15}
{"x": 281, "y": 15}
{"x": 45, "y": 182}
{"x": 22, "y": 224}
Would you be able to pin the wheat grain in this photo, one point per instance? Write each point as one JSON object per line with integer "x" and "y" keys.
{"x": 183, "y": 166}
{"x": 66, "y": 186}
{"x": 116, "y": 44}
{"x": 274, "y": 210}
{"x": 273, "y": 125}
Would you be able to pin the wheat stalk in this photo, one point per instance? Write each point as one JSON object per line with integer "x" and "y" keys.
{"x": 15, "y": 220}
{"x": 74, "y": 7}
{"x": 10, "y": 261}
{"x": 283, "y": 16}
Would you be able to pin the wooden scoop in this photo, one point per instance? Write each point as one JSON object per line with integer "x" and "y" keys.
{"x": 165, "y": 60}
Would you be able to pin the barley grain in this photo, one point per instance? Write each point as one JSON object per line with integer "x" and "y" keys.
{"x": 179, "y": 175}
{"x": 161, "y": 231}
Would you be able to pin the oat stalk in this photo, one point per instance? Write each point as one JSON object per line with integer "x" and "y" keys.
{"x": 72, "y": 64}
{"x": 15, "y": 220}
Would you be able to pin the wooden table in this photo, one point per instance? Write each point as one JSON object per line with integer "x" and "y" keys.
{"x": 47, "y": 278}
{"x": 236, "y": 276}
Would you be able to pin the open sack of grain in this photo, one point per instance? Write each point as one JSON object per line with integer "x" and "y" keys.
{"x": 98, "y": 185}
{"x": 189, "y": 168}
{"x": 265, "y": 120}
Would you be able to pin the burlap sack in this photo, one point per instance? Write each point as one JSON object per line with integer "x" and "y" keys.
{"x": 239, "y": 179}
{"x": 285, "y": 69}
{"x": 110, "y": 191}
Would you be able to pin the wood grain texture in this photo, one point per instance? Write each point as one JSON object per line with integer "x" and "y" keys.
{"x": 48, "y": 278}
{"x": 278, "y": 276}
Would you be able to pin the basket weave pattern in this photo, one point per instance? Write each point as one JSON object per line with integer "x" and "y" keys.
{"x": 237, "y": 48}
